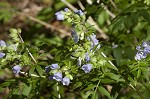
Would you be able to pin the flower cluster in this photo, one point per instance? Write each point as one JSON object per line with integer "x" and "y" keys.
{"x": 142, "y": 51}
{"x": 57, "y": 75}
{"x": 79, "y": 12}
{"x": 2, "y": 44}
{"x": 75, "y": 36}
{"x": 94, "y": 42}
{"x": 16, "y": 69}
{"x": 53, "y": 66}
{"x": 75, "y": 19}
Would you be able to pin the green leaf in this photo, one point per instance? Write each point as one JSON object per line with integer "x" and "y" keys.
{"x": 95, "y": 96}
{"x": 104, "y": 91}
{"x": 7, "y": 82}
{"x": 118, "y": 24}
{"x": 139, "y": 73}
{"x": 128, "y": 22}
{"x": 145, "y": 15}
{"x": 78, "y": 84}
{"x": 89, "y": 87}
{"x": 26, "y": 89}
{"x": 117, "y": 54}
{"x": 135, "y": 18}
{"x": 114, "y": 76}
{"x": 31, "y": 70}
{"x": 39, "y": 70}
{"x": 107, "y": 81}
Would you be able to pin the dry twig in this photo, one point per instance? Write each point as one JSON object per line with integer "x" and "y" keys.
{"x": 47, "y": 25}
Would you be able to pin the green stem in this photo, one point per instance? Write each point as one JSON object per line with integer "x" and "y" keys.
{"x": 33, "y": 75}
{"x": 136, "y": 91}
{"x": 57, "y": 88}
{"x": 27, "y": 49}
{"x": 97, "y": 87}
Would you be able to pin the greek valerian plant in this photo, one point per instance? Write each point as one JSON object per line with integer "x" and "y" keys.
{"x": 79, "y": 66}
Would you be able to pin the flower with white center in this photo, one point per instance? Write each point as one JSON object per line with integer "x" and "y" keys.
{"x": 59, "y": 15}
{"x": 87, "y": 68}
{"x": 54, "y": 66}
{"x": 57, "y": 76}
{"x": 140, "y": 55}
{"x": 65, "y": 81}
{"x": 2, "y": 43}
{"x": 2, "y": 55}
{"x": 16, "y": 69}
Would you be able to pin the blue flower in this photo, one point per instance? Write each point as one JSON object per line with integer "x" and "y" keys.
{"x": 54, "y": 66}
{"x": 140, "y": 55}
{"x": 114, "y": 45}
{"x": 74, "y": 35}
{"x": 94, "y": 41}
{"x": 138, "y": 48}
{"x": 2, "y": 43}
{"x": 47, "y": 69}
{"x": 79, "y": 12}
{"x": 145, "y": 44}
{"x": 87, "y": 68}
{"x": 79, "y": 61}
{"x": 2, "y": 55}
{"x": 59, "y": 16}
{"x": 16, "y": 69}
{"x": 65, "y": 81}
{"x": 57, "y": 76}
{"x": 87, "y": 57}
{"x": 147, "y": 50}
{"x": 50, "y": 77}
{"x": 66, "y": 9}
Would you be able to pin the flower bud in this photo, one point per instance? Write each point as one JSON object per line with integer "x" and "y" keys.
{"x": 16, "y": 69}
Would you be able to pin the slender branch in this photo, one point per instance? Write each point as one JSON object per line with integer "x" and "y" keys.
{"x": 80, "y": 4}
{"x": 108, "y": 12}
{"x": 102, "y": 33}
{"x": 109, "y": 60}
{"x": 49, "y": 25}
{"x": 27, "y": 49}
{"x": 111, "y": 1}
{"x": 62, "y": 31}
{"x": 69, "y": 5}
{"x": 33, "y": 75}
